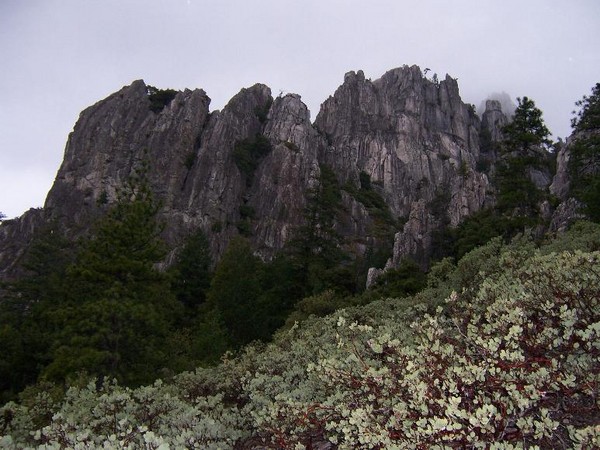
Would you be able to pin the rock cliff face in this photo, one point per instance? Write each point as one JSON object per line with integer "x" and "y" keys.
{"x": 15, "y": 237}
{"x": 113, "y": 138}
{"x": 588, "y": 166}
{"x": 494, "y": 119}
{"x": 191, "y": 163}
{"x": 560, "y": 183}
{"x": 413, "y": 139}
{"x": 418, "y": 142}
{"x": 567, "y": 179}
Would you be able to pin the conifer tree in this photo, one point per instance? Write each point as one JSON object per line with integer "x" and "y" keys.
{"x": 192, "y": 270}
{"x": 23, "y": 332}
{"x": 235, "y": 291}
{"x": 316, "y": 248}
{"x": 527, "y": 128}
{"x": 525, "y": 140}
{"x": 117, "y": 309}
{"x": 588, "y": 117}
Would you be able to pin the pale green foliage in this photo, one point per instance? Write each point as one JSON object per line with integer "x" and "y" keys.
{"x": 582, "y": 235}
{"x": 150, "y": 417}
{"x": 510, "y": 359}
{"x": 509, "y": 366}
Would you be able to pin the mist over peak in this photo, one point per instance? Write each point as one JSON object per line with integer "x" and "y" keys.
{"x": 507, "y": 103}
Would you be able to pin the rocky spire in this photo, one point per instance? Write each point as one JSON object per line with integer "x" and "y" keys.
{"x": 494, "y": 120}
{"x": 418, "y": 142}
{"x": 412, "y": 140}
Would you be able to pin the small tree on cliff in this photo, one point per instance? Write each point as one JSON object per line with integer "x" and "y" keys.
{"x": 527, "y": 128}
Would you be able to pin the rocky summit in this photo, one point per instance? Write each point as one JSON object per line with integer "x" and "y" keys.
{"x": 405, "y": 149}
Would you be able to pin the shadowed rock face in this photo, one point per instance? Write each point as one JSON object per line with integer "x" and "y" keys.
{"x": 116, "y": 136}
{"x": 15, "y": 237}
{"x": 570, "y": 208}
{"x": 415, "y": 139}
{"x": 410, "y": 135}
{"x": 561, "y": 182}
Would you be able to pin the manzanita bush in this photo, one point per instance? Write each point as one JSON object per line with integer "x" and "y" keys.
{"x": 510, "y": 359}
{"x": 519, "y": 366}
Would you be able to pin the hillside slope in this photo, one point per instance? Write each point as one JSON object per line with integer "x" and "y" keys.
{"x": 500, "y": 351}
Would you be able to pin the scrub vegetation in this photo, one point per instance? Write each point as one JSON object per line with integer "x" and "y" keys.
{"x": 496, "y": 346}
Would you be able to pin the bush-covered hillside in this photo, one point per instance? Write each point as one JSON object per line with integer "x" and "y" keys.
{"x": 496, "y": 346}
{"x": 501, "y": 350}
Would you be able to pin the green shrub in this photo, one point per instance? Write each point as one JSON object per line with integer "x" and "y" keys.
{"x": 365, "y": 180}
{"x": 513, "y": 368}
{"x": 405, "y": 280}
{"x": 190, "y": 159}
{"x": 160, "y": 98}
{"x": 293, "y": 147}
{"x": 318, "y": 305}
{"x": 244, "y": 227}
{"x": 248, "y": 154}
{"x": 262, "y": 112}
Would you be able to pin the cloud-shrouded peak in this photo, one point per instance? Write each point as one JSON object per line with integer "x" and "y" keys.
{"x": 506, "y": 102}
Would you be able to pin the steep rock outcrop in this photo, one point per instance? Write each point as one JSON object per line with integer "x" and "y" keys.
{"x": 416, "y": 238}
{"x": 577, "y": 172}
{"x": 278, "y": 195}
{"x": 188, "y": 154}
{"x": 494, "y": 120}
{"x": 15, "y": 237}
{"x": 565, "y": 214}
{"x": 560, "y": 182}
{"x": 416, "y": 140}
{"x": 402, "y": 138}
{"x": 117, "y": 136}
{"x": 215, "y": 187}
{"x": 585, "y": 166}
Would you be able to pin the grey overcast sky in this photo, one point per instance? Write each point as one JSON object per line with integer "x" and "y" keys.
{"x": 60, "y": 56}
